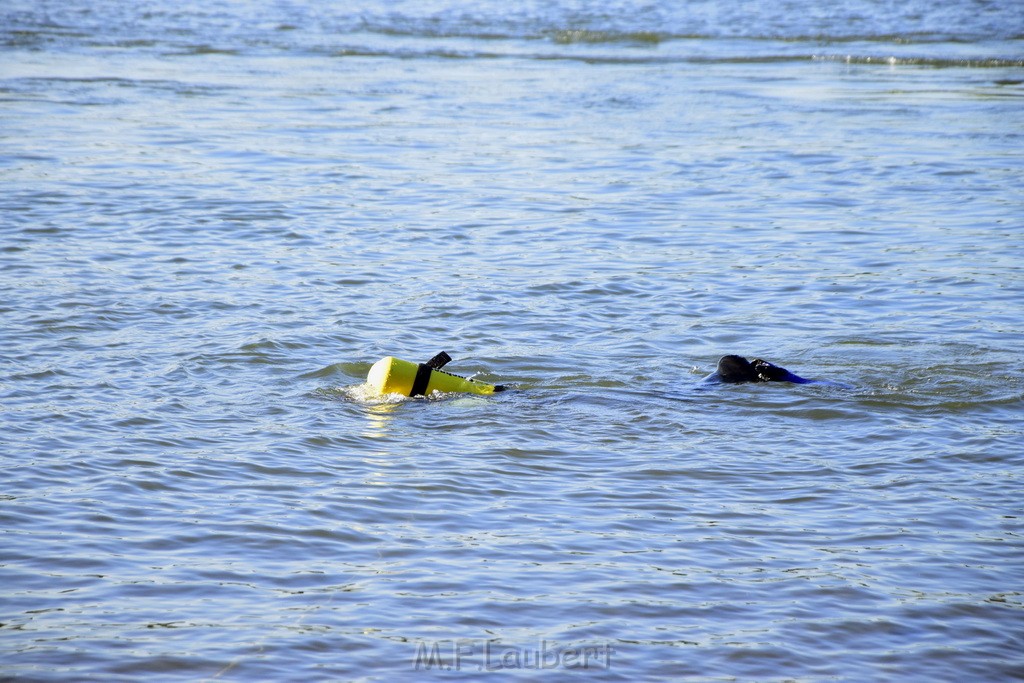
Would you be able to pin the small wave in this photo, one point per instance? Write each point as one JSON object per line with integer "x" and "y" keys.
{"x": 934, "y": 62}
{"x": 206, "y": 50}
{"x": 360, "y": 393}
{"x": 570, "y": 36}
{"x": 348, "y": 369}
{"x": 363, "y": 395}
{"x": 593, "y": 57}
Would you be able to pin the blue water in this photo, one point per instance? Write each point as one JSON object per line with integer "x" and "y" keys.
{"x": 216, "y": 216}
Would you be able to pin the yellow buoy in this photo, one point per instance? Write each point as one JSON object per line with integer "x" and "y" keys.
{"x": 392, "y": 375}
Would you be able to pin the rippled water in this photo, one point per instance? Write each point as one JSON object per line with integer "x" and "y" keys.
{"x": 216, "y": 216}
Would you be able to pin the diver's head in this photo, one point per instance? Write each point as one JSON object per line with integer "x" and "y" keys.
{"x": 735, "y": 369}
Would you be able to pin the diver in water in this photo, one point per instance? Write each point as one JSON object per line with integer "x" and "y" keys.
{"x": 737, "y": 369}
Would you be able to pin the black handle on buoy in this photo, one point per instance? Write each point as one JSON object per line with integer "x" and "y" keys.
{"x": 439, "y": 361}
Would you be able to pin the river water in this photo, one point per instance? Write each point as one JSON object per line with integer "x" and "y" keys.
{"x": 216, "y": 216}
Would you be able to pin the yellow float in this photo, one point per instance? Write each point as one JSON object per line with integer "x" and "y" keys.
{"x": 392, "y": 375}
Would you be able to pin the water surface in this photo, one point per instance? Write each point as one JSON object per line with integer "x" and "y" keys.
{"x": 217, "y": 216}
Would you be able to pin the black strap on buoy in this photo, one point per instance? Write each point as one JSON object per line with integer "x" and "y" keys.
{"x": 422, "y": 379}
